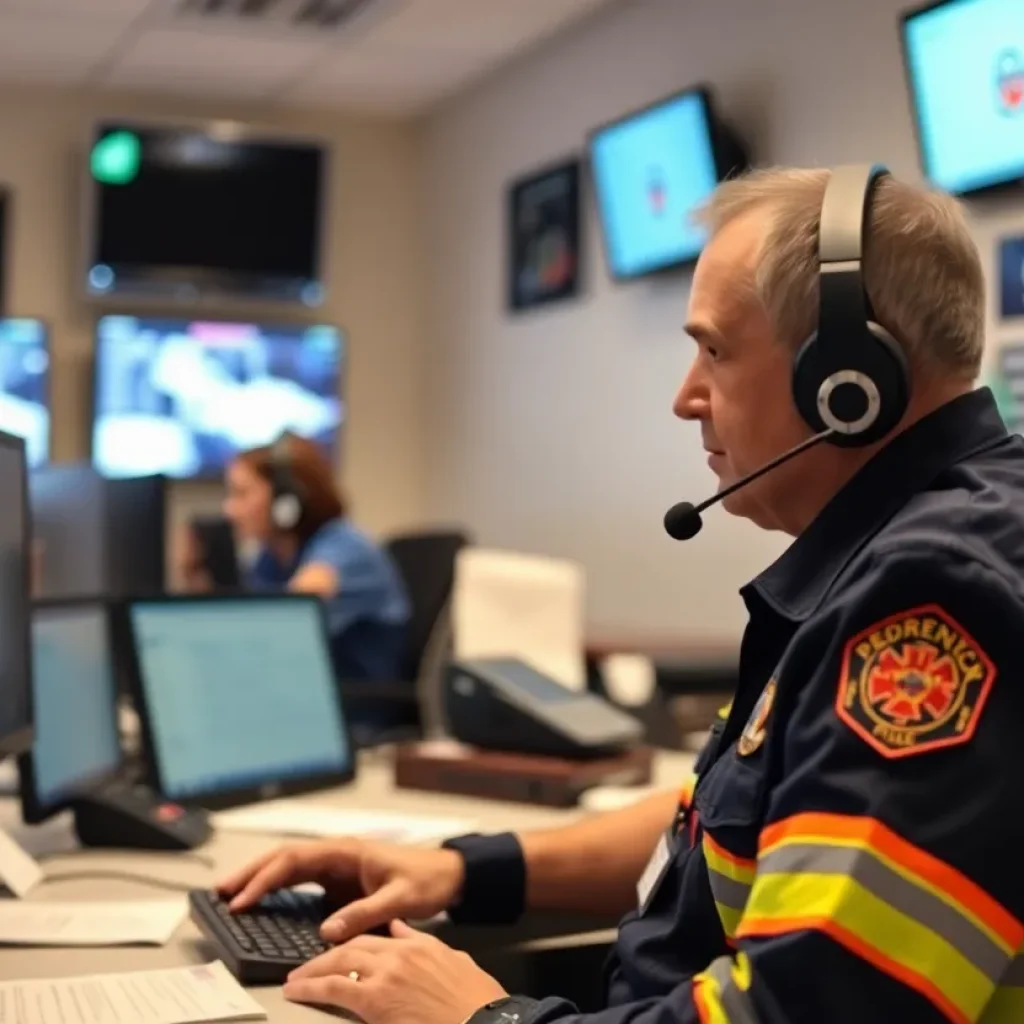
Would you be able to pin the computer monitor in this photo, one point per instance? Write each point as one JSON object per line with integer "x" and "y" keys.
{"x": 25, "y": 384}
{"x": 15, "y": 644}
{"x": 76, "y": 747}
{"x": 237, "y": 697}
{"x": 96, "y": 537}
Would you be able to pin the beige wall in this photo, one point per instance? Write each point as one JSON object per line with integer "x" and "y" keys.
{"x": 552, "y": 432}
{"x": 373, "y": 280}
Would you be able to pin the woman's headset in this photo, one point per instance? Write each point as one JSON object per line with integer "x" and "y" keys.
{"x": 850, "y": 376}
{"x": 286, "y": 503}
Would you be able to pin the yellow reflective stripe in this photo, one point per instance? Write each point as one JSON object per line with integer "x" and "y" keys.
{"x": 915, "y": 866}
{"x": 739, "y": 869}
{"x": 723, "y": 712}
{"x": 720, "y": 993}
{"x": 686, "y": 793}
{"x": 872, "y": 929}
{"x": 730, "y": 918}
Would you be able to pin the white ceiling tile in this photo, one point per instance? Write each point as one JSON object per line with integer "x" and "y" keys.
{"x": 52, "y": 49}
{"x": 161, "y": 57}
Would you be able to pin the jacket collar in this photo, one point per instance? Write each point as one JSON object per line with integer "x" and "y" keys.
{"x": 797, "y": 582}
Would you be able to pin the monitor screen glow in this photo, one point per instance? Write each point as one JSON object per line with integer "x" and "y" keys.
{"x": 182, "y": 398}
{"x": 651, "y": 171}
{"x": 965, "y": 66}
{"x": 24, "y": 385}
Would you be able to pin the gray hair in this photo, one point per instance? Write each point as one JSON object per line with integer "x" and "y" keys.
{"x": 922, "y": 271}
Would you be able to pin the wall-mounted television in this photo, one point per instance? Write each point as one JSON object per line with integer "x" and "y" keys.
{"x": 182, "y": 397}
{"x": 25, "y": 385}
{"x": 186, "y": 214}
{"x": 964, "y": 62}
{"x": 651, "y": 170}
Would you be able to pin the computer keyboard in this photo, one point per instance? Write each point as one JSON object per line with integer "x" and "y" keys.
{"x": 263, "y": 945}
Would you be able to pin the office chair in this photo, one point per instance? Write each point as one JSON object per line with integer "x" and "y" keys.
{"x": 426, "y": 561}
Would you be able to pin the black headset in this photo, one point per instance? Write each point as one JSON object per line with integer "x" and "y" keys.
{"x": 850, "y": 375}
{"x": 287, "y": 503}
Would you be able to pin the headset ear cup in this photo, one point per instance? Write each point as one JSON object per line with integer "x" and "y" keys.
{"x": 286, "y": 511}
{"x": 877, "y": 359}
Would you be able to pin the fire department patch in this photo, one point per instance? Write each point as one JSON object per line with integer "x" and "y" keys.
{"x": 754, "y": 731}
{"x": 914, "y": 682}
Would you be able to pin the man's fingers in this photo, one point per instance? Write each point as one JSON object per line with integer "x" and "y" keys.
{"x": 332, "y": 990}
{"x": 341, "y": 960}
{"x": 280, "y": 872}
{"x": 370, "y": 912}
{"x": 234, "y": 883}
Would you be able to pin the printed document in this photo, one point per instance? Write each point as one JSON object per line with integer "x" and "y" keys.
{"x": 116, "y": 923}
{"x": 204, "y": 994}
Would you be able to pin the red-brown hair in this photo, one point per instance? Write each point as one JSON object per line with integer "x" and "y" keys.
{"x": 306, "y": 465}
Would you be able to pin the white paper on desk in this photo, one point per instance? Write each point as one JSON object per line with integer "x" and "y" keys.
{"x": 201, "y": 994}
{"x": 300, "y": 819}
{"x": 508, "y": 604}
{"x": 116, "y": 923}
{"x": 20, "y": 872}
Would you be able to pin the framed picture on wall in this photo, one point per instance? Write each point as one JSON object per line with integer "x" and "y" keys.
{"x": 544, "y": 237}
{"x": 1011, "y": 277}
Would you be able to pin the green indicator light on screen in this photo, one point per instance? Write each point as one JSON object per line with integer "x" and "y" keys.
{"x": 116, "y": 158}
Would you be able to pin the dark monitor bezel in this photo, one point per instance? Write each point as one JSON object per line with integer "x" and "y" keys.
{"x": 232, "y": 797}
{"x": 21, "y": 740}
{"x": 334, "y": 454}
{"x": 1003, "y": 187}
{"x": 194, "y": 288}
{"x": 728, "y": 153}
{"x": 48, "y": 346}
{"x": 33, "y": 810}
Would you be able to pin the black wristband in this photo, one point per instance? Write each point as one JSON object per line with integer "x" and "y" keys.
{"x": 494, "y": 887}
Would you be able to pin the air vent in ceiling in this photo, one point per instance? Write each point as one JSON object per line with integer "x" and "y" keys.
{"x": 299, "y": 14}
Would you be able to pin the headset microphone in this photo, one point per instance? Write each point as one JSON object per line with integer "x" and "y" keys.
{"x": 683, "y": 521}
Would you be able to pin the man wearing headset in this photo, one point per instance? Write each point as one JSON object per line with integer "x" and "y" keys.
{"x": 851, "y": 848}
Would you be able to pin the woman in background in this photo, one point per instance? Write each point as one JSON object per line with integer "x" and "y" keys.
{"x": 282, "y": 501}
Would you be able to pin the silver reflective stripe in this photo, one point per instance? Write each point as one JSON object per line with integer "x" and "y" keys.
{"x": 735, "y": 1002}
{"x": 885, "y": 883}
{"x": 728, "y": 891}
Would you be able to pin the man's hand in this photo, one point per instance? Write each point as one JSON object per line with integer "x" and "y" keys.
{"x": 372, "y": 883}
{"x": 412, "y": 978}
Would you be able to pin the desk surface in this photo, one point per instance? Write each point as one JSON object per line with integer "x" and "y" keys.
{"x": 55, "y": 845}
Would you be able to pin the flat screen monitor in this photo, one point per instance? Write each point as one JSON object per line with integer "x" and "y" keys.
{"x": 25, "y": 385}
{"x": 181, "y": 398}
{"x": 964, "y": 61}
{"x": 652, "y": 170}
{"x": 190, "y": 212}
{"x": 15, "y": 642}
{"x": 237, "y": 696}
{"x": 74, "y": 687}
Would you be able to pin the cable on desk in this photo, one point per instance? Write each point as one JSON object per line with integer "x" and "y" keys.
{"x": 100, "y": 874}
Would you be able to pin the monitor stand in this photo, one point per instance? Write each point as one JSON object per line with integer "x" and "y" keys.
{"x": 134, "y": 817}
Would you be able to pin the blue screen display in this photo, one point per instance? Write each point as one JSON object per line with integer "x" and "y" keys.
{"x": 24, "y": 385}
{"x": 966, "y": 67}
{"x": 651, "y": 171}
{"x": 238, "y": 693}
{"x": 182, "y": 398}
{"x": 75, "y": 694}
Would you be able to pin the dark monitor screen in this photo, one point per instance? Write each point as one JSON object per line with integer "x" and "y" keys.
{"x": 24, "y": 385}
{"x": 965, "y": 65}
{"x": 75, "y": 689}
{"x": 181, "y": 398}
{"x": 15, "y": 656}
{"x": 237, "y": 693}
{"x": 187, "y": 212}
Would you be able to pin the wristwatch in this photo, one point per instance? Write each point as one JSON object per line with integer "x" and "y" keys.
{"x": 508, "y": 1010}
